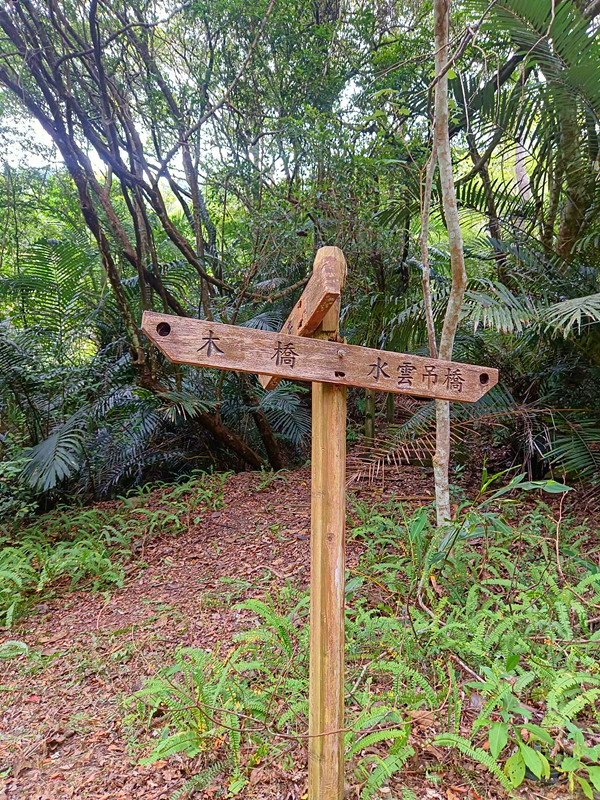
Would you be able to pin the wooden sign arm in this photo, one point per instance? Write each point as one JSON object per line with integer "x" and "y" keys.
{"x": 331, "y": 366}
{"x": 203, "y": 343}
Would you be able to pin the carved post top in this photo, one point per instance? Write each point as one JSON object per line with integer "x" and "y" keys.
{"x": 318, "y": 307}
{"x": 332, "y": 260}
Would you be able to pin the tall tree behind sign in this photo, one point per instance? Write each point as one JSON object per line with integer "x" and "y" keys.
{"x": 442, "y": 153}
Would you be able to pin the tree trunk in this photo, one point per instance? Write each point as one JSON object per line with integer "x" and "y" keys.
{"x": 555, "y": 174}
{"x": 369, "y": 417}
{"x": 390, "y": 407}
{"x": 426, "y": 190}
{"x": 521, "y": 175}
{"x": 212, "y": 424}
{"x": 441, "y": 459}
{"x": 490, "y": 202}
{"x": 230, "y": 439}
{"x": 265, "y": 430}
{"x": 577, "y": 189}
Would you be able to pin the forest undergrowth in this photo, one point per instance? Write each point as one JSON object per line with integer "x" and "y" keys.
{"x": 472, "y": 653}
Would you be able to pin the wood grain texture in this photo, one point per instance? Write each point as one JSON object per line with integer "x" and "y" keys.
{"x": 328, "y": 519}
{"x": 328, "y": 529}
{"x": 321, "y": 292}
{"x": 232, "y": 347}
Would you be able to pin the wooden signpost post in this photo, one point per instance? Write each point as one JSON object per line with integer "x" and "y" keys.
{"x": 330, "y": 365}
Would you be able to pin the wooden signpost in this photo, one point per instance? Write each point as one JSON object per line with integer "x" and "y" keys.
{"x": 330, "y": 365}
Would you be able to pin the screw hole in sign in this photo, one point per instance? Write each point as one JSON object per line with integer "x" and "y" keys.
{"x": 484, "y": 378}
{"x": 163, "y": 329}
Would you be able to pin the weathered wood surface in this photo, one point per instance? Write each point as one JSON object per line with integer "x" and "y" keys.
{"x": 232, "y": 347}
{"x": 319, "y": 295}
{"x": 327, "y": 575}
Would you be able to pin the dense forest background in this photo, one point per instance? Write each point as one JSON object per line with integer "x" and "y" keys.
{"x": 155, "y": 533}
{"x": 190, "y": 158}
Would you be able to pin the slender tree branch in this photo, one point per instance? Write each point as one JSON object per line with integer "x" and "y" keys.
{"x": 441, "y": 459}
{"x": 213, "y": 109}
{"x": 426, "y": 191}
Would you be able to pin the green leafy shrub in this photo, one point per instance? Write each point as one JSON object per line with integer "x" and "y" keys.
{"x": 496, "y": 605}
{"x": 64, "y": 548}
{"x": 203, "y": 697}
{"x": 17, "y": 500}
{"x": 90, "y": 547}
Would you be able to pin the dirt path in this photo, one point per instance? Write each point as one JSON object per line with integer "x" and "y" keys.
{"x": 61, "y": 725}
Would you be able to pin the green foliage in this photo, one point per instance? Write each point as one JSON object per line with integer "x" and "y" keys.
{"x": 503, "y": 716}
{"x": 575, "y": 447}
{"x": 201, "y": 780}
{"x": 48, "y": 554}
{"x": 385, "y": 769}
{"x": 323, "y": 140}
{"x": 475, "y": 753}
{"x": 299, "y": 156}
{"x": 583, "y": 766}
{"x": 514, "y": 620}
{"x": 284, "y": 410}
{"x": 13, "y": 649}
{"x": 90, "y": 547}
{"x": 495, "y": 604}
{"x": 16, "y": 503}
{"x": 203, "y": 696}
{"x": 56, "y": 458}
{"x": 54, "y": 286}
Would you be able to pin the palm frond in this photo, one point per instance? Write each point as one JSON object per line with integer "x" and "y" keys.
{"x": 285, "y": 412}
{"x": 264, "y": 321}
{"x": 570, "y": 316}
{"x": 182, "y": 404}
{"x": 54, "y": 277}
{"x": 499, "y": 308}
{"x": 575, "y": 448}
{"x": 414, "y": 440}
{"x": 59, "y": 456}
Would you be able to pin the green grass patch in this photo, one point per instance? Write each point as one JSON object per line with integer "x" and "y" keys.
{"x": 90, "y": 547}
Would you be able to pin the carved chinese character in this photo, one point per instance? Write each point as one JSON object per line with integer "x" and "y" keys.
{"x": 284, "y": 355}
{"x": 405, "y": 371}
{"x": 378, "y": 369}
{"x": 210, "y": 345}
{"x": 430, "y": 375}
{"x": 453, "y": 379}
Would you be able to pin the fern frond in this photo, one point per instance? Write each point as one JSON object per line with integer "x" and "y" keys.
{"x": 476, "y": 753}
{"x": 385, "y": 769}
